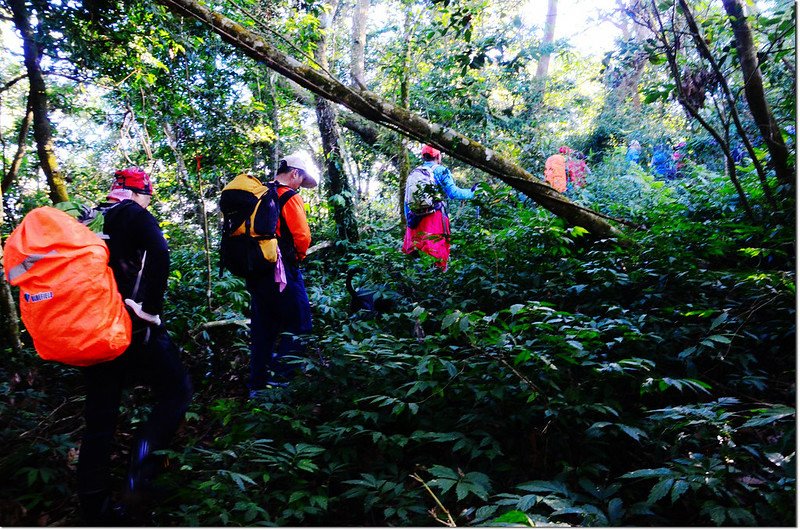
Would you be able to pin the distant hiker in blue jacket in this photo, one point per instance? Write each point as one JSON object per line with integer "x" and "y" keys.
{"x": 634, "y": 152}
{"x": 662, "y": 163}
{"x": 429, "y": 231}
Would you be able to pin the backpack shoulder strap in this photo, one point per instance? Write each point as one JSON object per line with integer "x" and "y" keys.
{"x": 286, "y": 240}
{"x": 432, "y": 170}
{"x": 284, "y": 198}
{"x": 105, "y": 207}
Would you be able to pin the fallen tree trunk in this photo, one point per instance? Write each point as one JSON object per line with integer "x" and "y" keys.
{"x": 355, "y": 123}
{"x": 378, "y": 110}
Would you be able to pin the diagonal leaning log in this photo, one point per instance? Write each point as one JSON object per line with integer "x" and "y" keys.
{"x": 378, "y": 110}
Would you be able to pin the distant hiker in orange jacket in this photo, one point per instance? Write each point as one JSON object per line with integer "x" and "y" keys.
{"x": 139, "y": 258}
{"x": 555, "y": 172}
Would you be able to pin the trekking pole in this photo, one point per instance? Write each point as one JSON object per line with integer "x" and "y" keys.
{"x": 206, "y": 242}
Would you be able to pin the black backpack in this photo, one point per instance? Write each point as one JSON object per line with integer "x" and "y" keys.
{"x": 250, "y": 215}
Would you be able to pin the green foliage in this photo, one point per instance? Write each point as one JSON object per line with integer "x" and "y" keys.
{"x": 543, "y": 379}
{"x": 39, "y": 459}
{"x": 627, "y": 380}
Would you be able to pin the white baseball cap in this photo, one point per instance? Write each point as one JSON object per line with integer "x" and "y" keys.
{"x": 302, "y": 160}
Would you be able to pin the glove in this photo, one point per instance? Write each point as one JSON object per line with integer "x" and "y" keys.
{"x": 137, "y": 310}
{"x": 474, "y": 186}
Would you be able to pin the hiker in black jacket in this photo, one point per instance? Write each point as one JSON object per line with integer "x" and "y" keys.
{"x": 139, "y": 257}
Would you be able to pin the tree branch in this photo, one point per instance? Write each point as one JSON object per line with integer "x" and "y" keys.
{"x": 702, "y": 47}
{"x": 686, "y": 104}
{"x": 13, "y": 82}
{"x": 22, "y": 147}
{"x": 378, "y": 110}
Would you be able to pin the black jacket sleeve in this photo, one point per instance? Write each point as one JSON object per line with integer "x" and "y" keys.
{"x": 155, "y": 272}
{"x": 139, "y": 255}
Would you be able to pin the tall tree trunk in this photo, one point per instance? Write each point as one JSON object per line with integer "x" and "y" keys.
{"x": 628, "y": 87}
{"x": 340, "y": 195}
{"x": 671, "y": 51}
{"x": 348, "y": 120}
{"x": 378, "y": 110}
{"x": 543, "y": 65}
{"x": 38, "y": 100}
{"x": 22, "y": 147}
{"x": 754, "y": 92}
{"x": 9, "y": 319}
{"x": 624, "y": 89}
{"x": 194, "y": 196}
{"x": 359, "y": 43}
{"x": 702, "y": 47}
{"x": 403, "y": 164}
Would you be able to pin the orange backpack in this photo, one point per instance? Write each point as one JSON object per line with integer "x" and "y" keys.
{"x": 68, "y": 298}
{"x": 555, "y": 172}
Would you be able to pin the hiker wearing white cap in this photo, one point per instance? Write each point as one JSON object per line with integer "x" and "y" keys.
{"x": 280, "y": 311}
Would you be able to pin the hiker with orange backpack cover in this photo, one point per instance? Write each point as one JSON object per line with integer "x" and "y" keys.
{"x": 139, "y": 258}
{"x": 429, "y": 231}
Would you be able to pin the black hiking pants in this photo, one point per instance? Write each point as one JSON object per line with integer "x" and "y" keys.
{"x": 152, "y": 359}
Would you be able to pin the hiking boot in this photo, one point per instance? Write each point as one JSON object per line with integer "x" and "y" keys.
{"x": 144, "y": 466}
{"x": 98, "y": 510}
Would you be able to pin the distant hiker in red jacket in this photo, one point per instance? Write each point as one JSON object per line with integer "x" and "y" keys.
{"x": 576, "y": 167}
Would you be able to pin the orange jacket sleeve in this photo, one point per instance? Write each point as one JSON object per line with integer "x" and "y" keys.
{"x": 295, "y": 215}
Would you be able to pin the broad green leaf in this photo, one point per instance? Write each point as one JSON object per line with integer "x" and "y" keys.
{"x": 575, "y": 344}
{"x": 527, "y": 502}
{"x": 716, "y": 514}
{"x": 484, "y": 512}
{"x": 444, "y": 484}
{"x": 513, "y": 518}
{"x": 444, "y": 472}
{"x": 450, "y": 319}
{"x": 720, "y": 339}
{"x": 616, "y": 510}
{"x": 770, "y": 416}
{"x": 648, "y": 473}
{"x": 742, "y": 517}
{"x": 723, "y": 317}
{"x": 660, "y": 490}
{"x": 516, "y": 308}
{"x": 633, "y": 432}
{"x": 679, "y": 489}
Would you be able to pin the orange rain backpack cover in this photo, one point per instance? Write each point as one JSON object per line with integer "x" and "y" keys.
{"x": 68, "y": 298}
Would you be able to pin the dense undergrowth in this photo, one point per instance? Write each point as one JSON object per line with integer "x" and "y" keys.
{"x": 544, "y": 378}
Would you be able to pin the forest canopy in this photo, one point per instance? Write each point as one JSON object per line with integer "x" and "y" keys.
{"x": 622, "y": 352}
